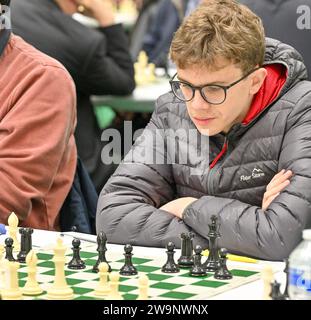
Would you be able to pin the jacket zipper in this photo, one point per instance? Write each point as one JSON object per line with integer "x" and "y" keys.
{"x": 214, "y": 170}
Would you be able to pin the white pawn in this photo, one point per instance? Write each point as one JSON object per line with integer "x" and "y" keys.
{"x": 11, "y": 290}
{"x": 114, "y": 286}
{"x": 267, "y": 278}
{"x": 32, "y": 287}
{"x": 143, "y": 287}
{"x": 103, "y": 287}
{"x": 13, "y": 224}
{"x": 60, "y": 289}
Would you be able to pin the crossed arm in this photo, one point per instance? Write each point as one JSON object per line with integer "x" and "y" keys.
{"x": 280, "y": 181}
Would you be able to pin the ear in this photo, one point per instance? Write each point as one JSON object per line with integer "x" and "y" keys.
{"x": 257, "y": 79}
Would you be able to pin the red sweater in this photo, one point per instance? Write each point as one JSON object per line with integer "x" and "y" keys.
{"x": 37, "y": 146}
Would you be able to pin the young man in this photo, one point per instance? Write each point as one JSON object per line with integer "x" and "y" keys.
{"x": 98, "y": 60}
{"x": 249, "y": 102}
{"x": 37, "y": 121}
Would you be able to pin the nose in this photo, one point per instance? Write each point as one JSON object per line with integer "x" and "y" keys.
{"x": 198, "y": 102}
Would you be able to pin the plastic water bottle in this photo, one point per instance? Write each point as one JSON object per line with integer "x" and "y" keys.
{"x": 300, "y": 269}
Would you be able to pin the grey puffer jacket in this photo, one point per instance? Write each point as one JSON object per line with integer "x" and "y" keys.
{"x": 278, "y": 138}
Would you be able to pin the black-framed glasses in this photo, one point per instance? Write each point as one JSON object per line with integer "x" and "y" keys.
{"x": 211, "y": 93}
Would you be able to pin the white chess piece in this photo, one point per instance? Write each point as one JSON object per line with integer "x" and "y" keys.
{"x": 151, "y": 72}
{"x": 143, "y": 285}
{"x": 32, "y": 287}
{"x": 11, "y": 290}
{"x": 103, "y": 287}
{"x": 13, "y": 224}
{"x": 142, "y": 59}
{"x": 114, "y": 286}
{"x": 60, "y": 289}
{"x": 140, "y": 68}
{"x": 2, "y": 269}
{"x": 128, "y": 7}
{"x": 267, "y": 278}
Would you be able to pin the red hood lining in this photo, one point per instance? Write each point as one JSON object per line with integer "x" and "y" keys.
{"x": 269, "y": 91}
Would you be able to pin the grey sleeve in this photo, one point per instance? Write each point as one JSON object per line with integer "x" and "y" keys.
{"x": 274, "y": 233}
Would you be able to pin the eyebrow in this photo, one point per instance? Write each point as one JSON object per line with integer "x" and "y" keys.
{"x": 205, "y": 84}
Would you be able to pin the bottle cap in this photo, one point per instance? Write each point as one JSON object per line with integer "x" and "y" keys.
{"x": 306, "y": 234}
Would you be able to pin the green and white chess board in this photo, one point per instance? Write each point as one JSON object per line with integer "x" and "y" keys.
{"x": 161, "y": 285}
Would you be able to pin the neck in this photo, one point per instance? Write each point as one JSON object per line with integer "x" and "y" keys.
{"x": 241, "y": 117}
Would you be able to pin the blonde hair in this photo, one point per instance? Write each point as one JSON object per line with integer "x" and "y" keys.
{"x": 219, "y": 28}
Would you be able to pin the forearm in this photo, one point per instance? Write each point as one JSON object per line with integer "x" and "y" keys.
{"x": 247, "y": 229}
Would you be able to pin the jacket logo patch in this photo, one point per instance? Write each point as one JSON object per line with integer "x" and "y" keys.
{"x": 256, "y": 173}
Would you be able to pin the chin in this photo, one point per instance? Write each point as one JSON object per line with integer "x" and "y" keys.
{"x": 208, "y": 131}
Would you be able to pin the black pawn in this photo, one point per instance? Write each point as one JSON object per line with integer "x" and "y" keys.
{"x": 9, "y": 249}
{"x": 101, "y": 249}
{"x": 26, "y": 243}
{"x": 76, "y": 263}
{"x": 186, "y": 258}
{"x": 197, "y": 270}
{"x": 128, "y": 269}
{"x": 223, "y": 273}
{"x": 170, "y": 265}
{"x": 275, "y": 293}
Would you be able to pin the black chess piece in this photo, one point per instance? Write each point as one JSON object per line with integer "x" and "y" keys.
{"x": 197, "y": 270}
{"x": 101, "y": 249}
{"x": 170, "y": 265}
{"x": 128, "y": 269}
{"x": 186, "y": 258}
{"x": 286, "y": 270}
{"x": 275, "y": 293}
{"x": 212, "y": 262}
{"x": 26, "y": 243}
{"x": 9, "y": 249}
{"x": 222, "y": 273}
{"x": 76, "y": 262}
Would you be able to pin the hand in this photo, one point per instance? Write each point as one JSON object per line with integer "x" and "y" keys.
{"x": 101, "y": 10}
{"x": 177, "y": 207}
{"x": 276, "y": 185}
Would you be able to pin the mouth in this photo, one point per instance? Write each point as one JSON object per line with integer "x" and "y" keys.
{"x": 202, "y": 121}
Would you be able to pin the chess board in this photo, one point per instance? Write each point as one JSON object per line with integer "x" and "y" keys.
{"x": 161, "y": 285}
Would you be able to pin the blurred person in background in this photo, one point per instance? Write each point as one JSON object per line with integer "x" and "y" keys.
{"x": 168, "y": 17}
{"x": 98, "y": 59}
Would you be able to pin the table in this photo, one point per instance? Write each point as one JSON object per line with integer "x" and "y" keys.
{"x": 249, "y": 291}
{"x": 142, "y": 100}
